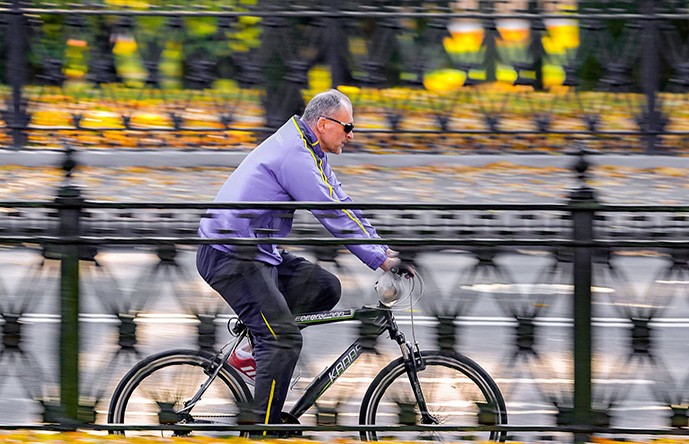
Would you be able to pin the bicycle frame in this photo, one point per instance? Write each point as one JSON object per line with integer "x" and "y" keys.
{"x": 381, "y": 319}
{"x": 327, "y": 377}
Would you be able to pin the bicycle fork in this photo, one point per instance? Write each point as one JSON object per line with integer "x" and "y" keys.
{"x": 413, "y": 363}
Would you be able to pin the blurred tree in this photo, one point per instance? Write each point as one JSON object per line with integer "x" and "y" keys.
{"x": 101, "y": 60}
{"x": 290, "y": 47}
{"x": 47, "y": 49}
{"x": 204, "y": 51}
{"x": 4, "y": 44}
{"x": 592, "y": 67}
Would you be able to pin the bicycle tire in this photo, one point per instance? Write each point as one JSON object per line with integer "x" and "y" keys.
{"x": 156, "y": 387}
{"x": 449, "y": 381}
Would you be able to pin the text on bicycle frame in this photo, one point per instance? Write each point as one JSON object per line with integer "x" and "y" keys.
{"x": 344, "y": 363}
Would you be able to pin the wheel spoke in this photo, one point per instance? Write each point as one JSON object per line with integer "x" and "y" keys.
{"x": 453, "y": 387}
{"x": 155, "y": 392}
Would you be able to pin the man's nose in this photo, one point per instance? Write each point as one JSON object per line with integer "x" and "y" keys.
{"x": 350, "y": 135}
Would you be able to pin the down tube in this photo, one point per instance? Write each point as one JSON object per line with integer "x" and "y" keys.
{"x": 327, "y": 378}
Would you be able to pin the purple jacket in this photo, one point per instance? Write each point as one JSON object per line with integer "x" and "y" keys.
{"x": 288, "y": 166}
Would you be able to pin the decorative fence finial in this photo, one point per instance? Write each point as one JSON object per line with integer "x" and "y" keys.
{"x": 68, "y": 189}
{"x": 581, "y": 167}
{"x": 69, "y": 162}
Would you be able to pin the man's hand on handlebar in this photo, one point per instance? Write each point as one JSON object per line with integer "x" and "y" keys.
{"x": 395, "y": 265}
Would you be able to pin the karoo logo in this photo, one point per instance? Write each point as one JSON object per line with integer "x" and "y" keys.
{"x": 344, "y": 363}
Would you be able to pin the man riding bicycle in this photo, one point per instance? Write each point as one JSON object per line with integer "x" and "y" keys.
{"x": 266, "y": 286}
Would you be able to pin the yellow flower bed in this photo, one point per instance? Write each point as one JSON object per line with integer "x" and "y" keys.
{"x": 101, "y": 437}
{"x": 93, "y": 438}
{"x": 153, "y": 114}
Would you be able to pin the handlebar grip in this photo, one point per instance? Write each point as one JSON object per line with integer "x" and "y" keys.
{"x": 403, "y": 270}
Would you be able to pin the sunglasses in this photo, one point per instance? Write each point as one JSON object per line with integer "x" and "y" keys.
{"x": 348, "y": 127}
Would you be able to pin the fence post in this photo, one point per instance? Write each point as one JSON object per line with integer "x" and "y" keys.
{"x": 69, "y": 202}
{"x": 651, "y": 117}
{"x": 491, "y": 34}
{"x": 17, "y": 43}
{"x": 583, "y": 203}
{"x": 337, "y": 45}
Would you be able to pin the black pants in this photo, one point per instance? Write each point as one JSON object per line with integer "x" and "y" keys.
{"x": 266, "y": 298}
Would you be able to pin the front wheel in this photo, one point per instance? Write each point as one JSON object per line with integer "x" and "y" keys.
{"x": 458, "y": 392}
{"x": 155, "y": 390}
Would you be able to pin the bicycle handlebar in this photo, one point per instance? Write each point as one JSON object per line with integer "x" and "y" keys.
{"x": 404, "y": 269}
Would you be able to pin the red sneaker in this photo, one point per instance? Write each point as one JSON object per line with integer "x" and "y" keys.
{"x": 246, "y": 365}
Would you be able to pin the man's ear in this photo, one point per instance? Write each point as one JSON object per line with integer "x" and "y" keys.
{"x": 320, "y": 125}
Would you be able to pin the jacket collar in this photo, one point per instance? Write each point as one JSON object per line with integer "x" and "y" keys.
{"x": 311, "y": 138}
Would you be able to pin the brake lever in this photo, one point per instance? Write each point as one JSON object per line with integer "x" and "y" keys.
{"x": 404, "y": 270}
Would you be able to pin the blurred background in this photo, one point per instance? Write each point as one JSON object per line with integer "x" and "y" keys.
{"x": 134, "y": 113}
{"x": 425, "y": 76}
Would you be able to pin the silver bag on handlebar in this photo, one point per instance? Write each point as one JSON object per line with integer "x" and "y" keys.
{"x": 389, "y": 288}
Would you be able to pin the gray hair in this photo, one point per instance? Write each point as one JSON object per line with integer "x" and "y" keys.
{"x": 325, "y": 104}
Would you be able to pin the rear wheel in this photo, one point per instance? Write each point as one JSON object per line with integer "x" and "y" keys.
{"x": 154, "y": 392}
{"x": 458, "y": 392}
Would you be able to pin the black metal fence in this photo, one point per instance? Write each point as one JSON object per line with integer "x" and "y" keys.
{"x": 579, "y": 291}
{"x": 433, "y": 76}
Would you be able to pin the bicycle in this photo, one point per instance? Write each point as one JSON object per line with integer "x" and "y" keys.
{"x": 437, "y": 387}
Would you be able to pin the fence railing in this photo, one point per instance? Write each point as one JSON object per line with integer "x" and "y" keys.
{"x": 582, "y": 238}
